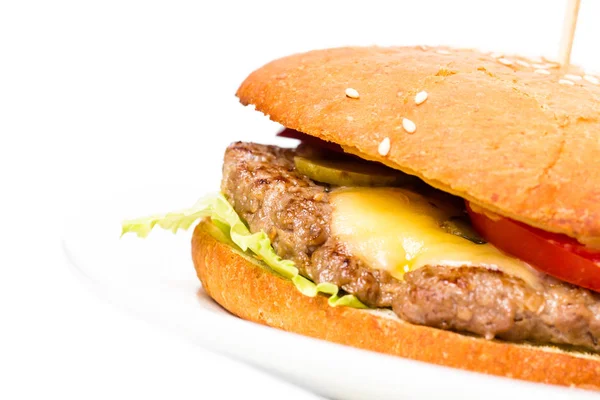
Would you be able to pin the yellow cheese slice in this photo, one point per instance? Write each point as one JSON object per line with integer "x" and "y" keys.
{"x": 398, "y": 230}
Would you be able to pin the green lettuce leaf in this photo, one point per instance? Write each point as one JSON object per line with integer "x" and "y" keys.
{"x": 228, "y": 221}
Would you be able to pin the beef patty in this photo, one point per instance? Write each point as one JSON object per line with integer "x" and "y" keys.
{"x": 262, "y": 184}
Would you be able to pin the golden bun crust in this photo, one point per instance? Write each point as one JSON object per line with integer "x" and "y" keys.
{"x": 252, "y": 293}
{"x": 521, "y": 143}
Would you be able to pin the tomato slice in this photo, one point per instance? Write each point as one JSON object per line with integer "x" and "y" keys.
{"x": 557, "y": 255}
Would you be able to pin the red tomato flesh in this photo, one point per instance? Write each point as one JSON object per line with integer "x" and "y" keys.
{"x": 557, "y": 255}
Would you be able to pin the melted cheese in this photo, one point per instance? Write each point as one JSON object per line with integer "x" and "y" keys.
{"x": 398, "y": 230}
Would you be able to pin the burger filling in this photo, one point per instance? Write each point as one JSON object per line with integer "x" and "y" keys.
{"x": 393, "y": 241}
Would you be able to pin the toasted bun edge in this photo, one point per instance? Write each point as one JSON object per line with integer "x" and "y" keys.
{"x": 253, "y": 293}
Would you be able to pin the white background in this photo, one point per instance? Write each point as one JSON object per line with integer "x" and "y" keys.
{"x": 107, "y": 96}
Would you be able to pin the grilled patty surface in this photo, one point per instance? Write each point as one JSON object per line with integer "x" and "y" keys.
{"x": 264, "y": 187}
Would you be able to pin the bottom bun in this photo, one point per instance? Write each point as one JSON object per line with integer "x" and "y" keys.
{"x": 253, "y": 293}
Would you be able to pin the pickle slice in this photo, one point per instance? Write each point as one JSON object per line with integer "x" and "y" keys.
{"x": 350, "y": 173}
{"x": 460, "y": 226}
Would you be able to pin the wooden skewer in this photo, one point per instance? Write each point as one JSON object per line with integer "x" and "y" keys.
{"x": 568, "y": 33}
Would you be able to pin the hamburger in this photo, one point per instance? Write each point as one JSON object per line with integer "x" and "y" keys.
{"x": 442, "y": 205}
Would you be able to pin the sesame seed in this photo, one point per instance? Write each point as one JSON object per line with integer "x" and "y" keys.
{"x": 442, "y": 51}
{"x": 566, "y": 82}
{"x": 496, "y": 55}
{"x": 424, "y": 48}
{"x": 421, "y": 97}
{"x": 551, "y": 62}
{"x": 539, "y": 66}
{"x": 573, "y": 77}
{"x": 349, "y": 118}
{"x": 523, "y": 63}
{"x": 592, "y": 79}
{"x": 384, "y": 147}
{"x": 352, "y": 93}
{"x": 542, "y": 71}
{"x": 505, "y": 61}
{"x": 408, "y": 125}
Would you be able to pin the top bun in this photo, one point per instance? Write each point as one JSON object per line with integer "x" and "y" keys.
{"x": 516, "y": 136}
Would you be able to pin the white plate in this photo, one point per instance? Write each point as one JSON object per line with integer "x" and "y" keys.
{"x": 155, "y": 278}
